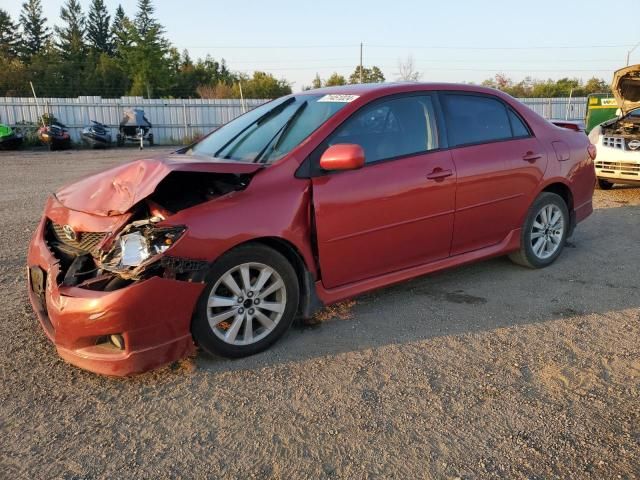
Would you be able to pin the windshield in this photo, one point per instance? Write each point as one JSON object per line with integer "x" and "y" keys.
{"x": 270, "y": 131}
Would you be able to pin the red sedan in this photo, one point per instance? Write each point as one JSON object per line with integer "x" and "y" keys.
{"x": 305, "y": 201}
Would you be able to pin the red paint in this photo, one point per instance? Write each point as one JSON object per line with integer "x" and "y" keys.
{"x": 355, "y": 230}
{"x": 115, "y": 191}
{"x": 383, "y": 217}
{"x": 342, "y": 157}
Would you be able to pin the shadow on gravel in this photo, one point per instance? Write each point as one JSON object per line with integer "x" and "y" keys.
{"x": 597, "y": 273}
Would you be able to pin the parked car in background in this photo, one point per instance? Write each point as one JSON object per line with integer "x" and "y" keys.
{"x": 618, "y": 140}
{"x": 305, "y": 201}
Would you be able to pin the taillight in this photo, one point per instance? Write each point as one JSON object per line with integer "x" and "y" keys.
{"x": 593, "y": 151}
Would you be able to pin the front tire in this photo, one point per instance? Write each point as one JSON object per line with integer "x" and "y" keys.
{"x": 604, "y": 184}
{"x": 250, "y": 300}
{"x": 544, "y": 232}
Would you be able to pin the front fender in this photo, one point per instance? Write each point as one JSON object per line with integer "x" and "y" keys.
{"x": 262, "y": 210}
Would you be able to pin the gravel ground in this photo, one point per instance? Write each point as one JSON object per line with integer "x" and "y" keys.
{"x": 485, "y": 371}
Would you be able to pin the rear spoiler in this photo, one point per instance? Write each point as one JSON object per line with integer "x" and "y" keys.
{"x": 576, "y": 126}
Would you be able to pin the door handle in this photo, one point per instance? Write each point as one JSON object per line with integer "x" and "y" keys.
{"x": 531, "y": 157}
{"x": 439, "y": 174}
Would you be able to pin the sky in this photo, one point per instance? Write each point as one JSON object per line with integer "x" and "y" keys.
{"x": 450, "y": 40}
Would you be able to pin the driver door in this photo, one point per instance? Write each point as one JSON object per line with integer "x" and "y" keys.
{"x": 397, "y": 211}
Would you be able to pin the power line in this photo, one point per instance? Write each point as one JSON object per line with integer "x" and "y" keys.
{"x": 438, "y": 47}
{"x": 537, "y": 47}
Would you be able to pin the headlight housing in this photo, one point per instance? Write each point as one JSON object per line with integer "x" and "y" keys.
{"x": 594, "y": 135}
{"x": 140, "y": 245}
{"x": 135, "y": 249}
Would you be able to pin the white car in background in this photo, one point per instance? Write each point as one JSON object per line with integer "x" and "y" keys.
{"x": 618, "y": 140}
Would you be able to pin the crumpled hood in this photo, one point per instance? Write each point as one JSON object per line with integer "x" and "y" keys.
{"x": 626, "y": 88}
{"x": 115, "y": 191}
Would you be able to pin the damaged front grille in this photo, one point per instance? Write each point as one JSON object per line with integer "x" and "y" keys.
{"x": 84, "y": 241}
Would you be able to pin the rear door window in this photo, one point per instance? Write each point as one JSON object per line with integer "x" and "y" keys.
{"x": 475, "y": 119}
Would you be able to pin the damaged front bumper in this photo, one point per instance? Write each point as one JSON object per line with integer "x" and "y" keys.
{"x": 151, "y": 316}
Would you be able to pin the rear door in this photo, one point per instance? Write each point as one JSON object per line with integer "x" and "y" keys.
{"x": 396, "y": 211}
{"x": 498, "y": 164}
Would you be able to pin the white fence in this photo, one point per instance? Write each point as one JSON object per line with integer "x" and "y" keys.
{"x": 558, "y": 108}
{"x": 176, "y": 120}
{"x": 173, "y": 120}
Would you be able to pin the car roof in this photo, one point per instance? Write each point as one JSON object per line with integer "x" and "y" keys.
{"x": 381, "y": 89}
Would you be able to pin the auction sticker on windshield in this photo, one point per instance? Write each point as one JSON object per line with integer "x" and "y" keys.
{"x": 338, "y": 98}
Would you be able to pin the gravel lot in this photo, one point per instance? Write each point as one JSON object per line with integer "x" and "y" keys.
{"x": 486, "y": 371}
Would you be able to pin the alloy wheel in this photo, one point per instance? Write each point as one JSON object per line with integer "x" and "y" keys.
{"x": 246, "y": 303}
{"x": 547, "y": 231}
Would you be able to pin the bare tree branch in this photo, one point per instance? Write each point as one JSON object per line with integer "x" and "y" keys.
{"x": 406, "y": 70}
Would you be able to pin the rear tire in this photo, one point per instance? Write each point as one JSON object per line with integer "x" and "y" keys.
{"x": 250, "y": 300}
{"x": 544, "y": 232}
{"x": 604, "y": 184}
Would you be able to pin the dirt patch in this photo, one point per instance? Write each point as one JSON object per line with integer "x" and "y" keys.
{"x": 619, "y": 196}
{"x": 486, "y": 371}
{"x": 339, "y": 311}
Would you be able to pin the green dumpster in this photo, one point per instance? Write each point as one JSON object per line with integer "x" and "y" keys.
{"x": 600, "y": 108}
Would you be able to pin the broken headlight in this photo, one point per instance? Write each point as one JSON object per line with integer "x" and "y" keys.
{"x": 138, "y": 246}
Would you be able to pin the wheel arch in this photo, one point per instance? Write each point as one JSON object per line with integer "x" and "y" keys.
{"x": 309, "y": 301}
{"x": 564, "y": 191}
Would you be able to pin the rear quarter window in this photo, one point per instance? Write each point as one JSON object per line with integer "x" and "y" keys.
{"x": 517, "y": 125}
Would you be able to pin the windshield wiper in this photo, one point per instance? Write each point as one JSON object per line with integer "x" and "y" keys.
{"x": 275, "y": 140}
{"x": 257, "y": 121}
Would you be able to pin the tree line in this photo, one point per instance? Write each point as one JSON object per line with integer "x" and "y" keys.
{"x": 96, "y": 53}
{"x": 563, "y": 87}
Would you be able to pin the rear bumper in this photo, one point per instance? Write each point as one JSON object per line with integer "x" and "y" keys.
{"x": 153, "y": 316}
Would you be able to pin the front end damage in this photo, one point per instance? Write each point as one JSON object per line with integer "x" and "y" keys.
{"x": 106, "y": 288}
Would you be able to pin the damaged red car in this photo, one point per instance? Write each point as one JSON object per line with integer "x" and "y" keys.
{"x": 305, "y": 201}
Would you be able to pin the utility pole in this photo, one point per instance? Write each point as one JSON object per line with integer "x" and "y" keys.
{"x": 361, "y": 62}
{"x": 630, "y": 51}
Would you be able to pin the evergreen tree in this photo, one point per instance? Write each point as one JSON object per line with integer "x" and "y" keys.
{"x": 9, "y": 38}
{"x": 147, "y": 61}
{"x": 99, "y": 36}
{"x": 71, "y": 35}
{"x": 145, "y": 23}
{"x": 35, "y": 32}
{"x": 120, "y": 32}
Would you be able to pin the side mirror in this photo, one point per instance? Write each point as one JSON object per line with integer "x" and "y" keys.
{"x": 343, "y": 156}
